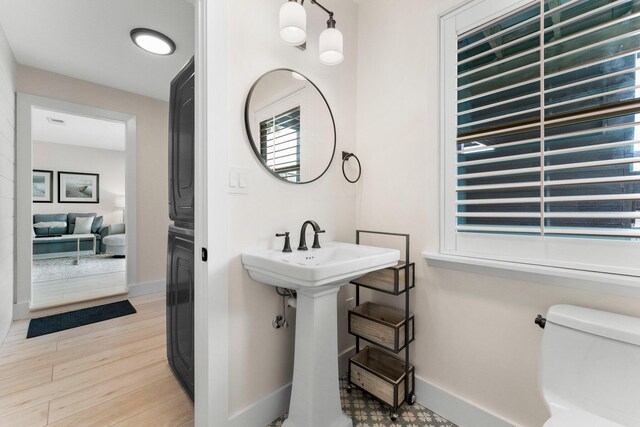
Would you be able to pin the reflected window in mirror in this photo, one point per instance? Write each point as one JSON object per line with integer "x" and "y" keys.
{"x": 290, "y": 126}
{"x": 280, "y": 144}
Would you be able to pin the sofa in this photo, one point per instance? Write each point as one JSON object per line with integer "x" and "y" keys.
{"x": 115, "y": 242}
{"x": 65, "y": 224}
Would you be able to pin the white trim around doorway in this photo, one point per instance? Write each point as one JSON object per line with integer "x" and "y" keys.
{"x": 211, "y": 215}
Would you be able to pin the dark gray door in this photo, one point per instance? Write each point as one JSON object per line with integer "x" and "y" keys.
{"x": 181, "y": 145}
{"x": 180, "y": 309}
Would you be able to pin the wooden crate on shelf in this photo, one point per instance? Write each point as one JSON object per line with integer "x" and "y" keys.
{"x": 381, "y": 375}
{"x": 381, "y": 325}
{"x": 390, "y": 280}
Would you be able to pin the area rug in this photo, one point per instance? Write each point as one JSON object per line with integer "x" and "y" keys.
{"x": 44, "y": 270}
{"x": 366, "y": 411}
{"x": 73, "y": 319}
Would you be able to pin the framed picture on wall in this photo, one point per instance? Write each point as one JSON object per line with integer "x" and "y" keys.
{"x": 74, "y": 187}
{"x": 42, "y": 184}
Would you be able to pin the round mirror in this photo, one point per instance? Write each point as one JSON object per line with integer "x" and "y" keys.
{"x": 290, "y": 126}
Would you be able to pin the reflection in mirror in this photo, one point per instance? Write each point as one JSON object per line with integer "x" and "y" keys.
{"x": 290, "y": 126}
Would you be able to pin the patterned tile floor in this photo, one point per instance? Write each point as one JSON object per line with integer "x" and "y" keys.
{"x": 366, "y": 411}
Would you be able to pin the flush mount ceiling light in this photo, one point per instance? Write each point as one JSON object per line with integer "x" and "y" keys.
{"x": 293, "y": 31}
{"x": 152, "y": 41}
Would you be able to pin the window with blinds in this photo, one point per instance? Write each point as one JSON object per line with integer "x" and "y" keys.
{"x": 548, "y": 122}
{"x": 280, "y": 144}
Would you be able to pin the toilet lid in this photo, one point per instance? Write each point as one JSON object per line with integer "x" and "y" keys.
{"x": 579, "y": 419}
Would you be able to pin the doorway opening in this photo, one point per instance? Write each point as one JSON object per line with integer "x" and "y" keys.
{"x": 78, "y": 208}
{"x": 78, "y": 199}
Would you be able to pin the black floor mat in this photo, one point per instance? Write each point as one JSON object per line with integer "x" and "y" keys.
{"x": 73, "y": 319}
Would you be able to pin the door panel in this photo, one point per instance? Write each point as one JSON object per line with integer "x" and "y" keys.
{"x": 180, "y": 307}
{"x": 181, "y": 145}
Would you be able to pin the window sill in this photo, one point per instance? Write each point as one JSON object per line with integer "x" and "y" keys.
{"x": 628, "y": 286}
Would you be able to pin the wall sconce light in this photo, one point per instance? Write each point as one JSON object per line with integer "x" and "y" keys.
{"x": 293, "y": 31}
{"x": 293, "y": 23}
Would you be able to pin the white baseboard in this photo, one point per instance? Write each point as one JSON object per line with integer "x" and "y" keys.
{"x": 139, "y": 289}
{"x": 21, "y": 310}
{"x": 456, "y": 409}
{"x": 273, "y": 405}
{"x": 263, "y": 411}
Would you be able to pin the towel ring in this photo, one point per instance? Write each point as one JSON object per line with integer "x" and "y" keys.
{"x": 345, "y": 157}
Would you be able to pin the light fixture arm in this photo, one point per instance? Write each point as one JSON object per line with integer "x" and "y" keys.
{"x": 293, "y": 24}
{"x": 331, "y": 23}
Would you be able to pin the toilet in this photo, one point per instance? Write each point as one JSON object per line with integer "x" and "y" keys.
{"x": 590, "y": 368}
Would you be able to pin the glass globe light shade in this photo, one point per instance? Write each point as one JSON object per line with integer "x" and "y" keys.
{"x": 331, "y": 47}
{"x": 293, "y": 23}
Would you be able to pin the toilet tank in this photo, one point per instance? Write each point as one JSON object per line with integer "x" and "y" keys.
{"x": 591, "y": 362}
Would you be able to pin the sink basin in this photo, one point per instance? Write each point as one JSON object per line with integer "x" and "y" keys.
{"x": 317, "y": 275}
{"x": 335, "y": 263}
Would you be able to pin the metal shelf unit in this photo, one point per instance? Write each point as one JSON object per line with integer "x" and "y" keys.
{"x": 387, "y": 281}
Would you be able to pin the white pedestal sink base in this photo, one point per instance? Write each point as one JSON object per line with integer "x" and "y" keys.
{"x": 315, "y": 394}
{"x": 317, "y": 275}
{"x": 344, "y": 421}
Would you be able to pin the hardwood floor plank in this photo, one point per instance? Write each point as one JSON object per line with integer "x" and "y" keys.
{"x": 23, "y": 399}
{"x": 100, "y": 393}
{"x": 22, "y": 343}
{"x": 132, "y": 330}
{"x": 79, "y": 364}
{"x": 173, "y": 412}
{"x": 125, "y": 406}
{"x": 17, "y": 383}
{"x": 90, "y": 345}
{"x": 34, "y": 416}
{"x": 101, "y": 374}
{"x": 19, "y": 355}
{"x": 18, "y": 325}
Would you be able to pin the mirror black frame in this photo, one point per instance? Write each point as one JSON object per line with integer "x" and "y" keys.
{"x": 247, "y": 127}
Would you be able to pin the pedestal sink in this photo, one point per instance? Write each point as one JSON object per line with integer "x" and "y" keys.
{"x": 317, "y": 275}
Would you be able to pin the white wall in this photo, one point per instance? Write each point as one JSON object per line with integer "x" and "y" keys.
{"x": 261, "y": 358}
{"x": 109, "y": 164}
{"x": 475, "y": 335}
{"x": 7, "y": 183}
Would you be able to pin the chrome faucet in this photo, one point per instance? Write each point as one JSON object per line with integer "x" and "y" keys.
{"x": 303, "y": 240}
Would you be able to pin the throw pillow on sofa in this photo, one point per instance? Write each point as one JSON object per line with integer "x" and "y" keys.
{"x": 83, "y": 225}
{"x": 97, "y": 223}
{"x": 72, "y": 219}
{"x": 45, "y": 228}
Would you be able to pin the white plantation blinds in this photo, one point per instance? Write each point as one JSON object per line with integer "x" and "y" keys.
{"x": 548, "y": 122}
{"x": 280, "y": 144}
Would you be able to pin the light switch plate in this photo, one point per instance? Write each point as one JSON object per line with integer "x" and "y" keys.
{"x": 233, "y": 180}
{"x": 239, "y": 180}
